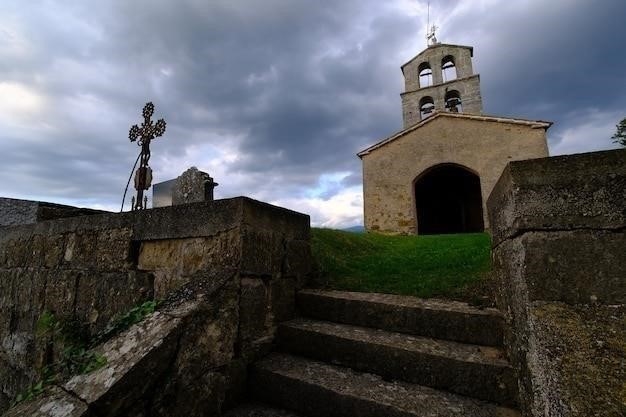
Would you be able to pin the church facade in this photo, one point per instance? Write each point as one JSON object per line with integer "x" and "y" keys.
{"x": 435, "y": 175}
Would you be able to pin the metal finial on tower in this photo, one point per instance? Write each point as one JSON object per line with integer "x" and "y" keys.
{"x": 431, "y": 39}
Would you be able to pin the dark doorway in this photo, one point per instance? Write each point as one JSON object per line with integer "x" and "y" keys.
{"x": 448, "y": 200}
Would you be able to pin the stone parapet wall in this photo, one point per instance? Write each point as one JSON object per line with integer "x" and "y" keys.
{"x": 15, "y": 212}
{"x": 559, "y": 239}
{"x": 92, "y": 268}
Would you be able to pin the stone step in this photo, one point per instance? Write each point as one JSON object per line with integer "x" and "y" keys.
{"x": 440, "y": 319}
{"x": 473, "y": 370}
{"x": 258, "y": 410}
{"x": 316, "y": 389}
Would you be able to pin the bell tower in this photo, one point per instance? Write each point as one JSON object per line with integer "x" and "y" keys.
{"x": 440, "y": 78}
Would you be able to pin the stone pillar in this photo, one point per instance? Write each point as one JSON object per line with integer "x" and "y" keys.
{"x": 559, "y": 255}
{"x": 193, "y": 186}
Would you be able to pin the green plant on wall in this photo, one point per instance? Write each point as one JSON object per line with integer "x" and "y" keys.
{"x": 77, "y": 356}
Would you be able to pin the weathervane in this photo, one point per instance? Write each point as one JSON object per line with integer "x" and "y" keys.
{"x": 145, "y": 134}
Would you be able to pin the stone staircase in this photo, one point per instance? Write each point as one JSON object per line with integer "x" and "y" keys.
{"x": 378, "y": 355}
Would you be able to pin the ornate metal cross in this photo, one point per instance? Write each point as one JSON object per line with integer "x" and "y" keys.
{"x": 145, "y": 134}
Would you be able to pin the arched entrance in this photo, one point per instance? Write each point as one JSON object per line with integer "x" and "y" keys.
{"x": 448, "y": 200}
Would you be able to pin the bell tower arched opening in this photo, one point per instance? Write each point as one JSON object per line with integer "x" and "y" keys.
{"x": 448, "y": 200}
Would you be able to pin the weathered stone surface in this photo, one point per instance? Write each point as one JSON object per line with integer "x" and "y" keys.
{"x": 254, "y": 319}
{"x": 15, "y": 212}
{"x": 472, "y": 370}
{"x": 193, "y": 186}
{"x": 142, "y": 353}
{"x": 100, "y": 297}
{"x": 55, "y": 403}
{"x": 176, "y": 262}
{"x": 334, "y": 391}
{"x": 559, "y": 230}
{"x": 91, "y": 268}
{"x": 11, "y": 381}
{"x": 282, "y": 299}
{"x": 258, "y": 410}
{"x": 579, "y": 358}
{"x": 480, "y": 145}
{"x": 298, "y": 263}
{"x": 262, "y": 216}
{"x": 113, "y": 248}
{"x": 264, "y": 251}
{"x": 584, "y": 191}
{"x": 578, "y": 266}
{"x": 441, "y": 319}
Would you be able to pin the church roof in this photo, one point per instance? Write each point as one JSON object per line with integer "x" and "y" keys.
{"x": 438, "y": 45}
{"x": 534, "y": 124}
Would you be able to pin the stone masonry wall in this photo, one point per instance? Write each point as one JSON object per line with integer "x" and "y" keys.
{"x": 92, "y": 268}
{"x": 559, "y": 239}
{"x": 15, "y": 212}
{"x": 484, "y": 147}
{"x": 468, "y": 88}
{"x": 466, "y": 82}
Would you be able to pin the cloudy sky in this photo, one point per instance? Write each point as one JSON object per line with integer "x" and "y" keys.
{"x": 275, "y": 97}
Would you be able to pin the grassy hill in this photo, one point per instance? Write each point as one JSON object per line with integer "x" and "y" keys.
{"x": 450, "y": 266}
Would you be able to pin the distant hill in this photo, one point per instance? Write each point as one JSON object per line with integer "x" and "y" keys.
{"x": 355, "y": 229}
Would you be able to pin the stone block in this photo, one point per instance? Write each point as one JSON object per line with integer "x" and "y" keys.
{"x": 254, "y": 319}
{"x": 159, "y": 255}
{"x": 15, "y": 212}
{"x": 210, "y": 334}
{"x": 80, "y": 250}
{"x": 236, "y": 376}
{"x": 560, "y": 193}
{"x": 424, "y": 361}
{"x": 575, "y": 363}
{"x": 449, "y": 320}
{"x": 53, "y": 251}
{"x": 257, "y": 215}
{"x": 579, "y": 266}
{"x": 299, "y": 261}
{"x": 55, "y": 403}
{"x": 60, "y": 294}
{"x": 142, "y": 353}
{"x": 37, "y": 251}
{"x": 101, "y": 297}
{"x": 189, "y": 220}
{"x": 262, "y": 253}
{"x": 282, "y": 299}
{"x": 196, "y": 396}
{"x": 113, "y": 248}
{"x": 17, "y": 253}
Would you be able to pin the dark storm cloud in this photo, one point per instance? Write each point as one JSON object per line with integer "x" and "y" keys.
{"x": 554, "y": 61}
{"x": 273, "y": 95}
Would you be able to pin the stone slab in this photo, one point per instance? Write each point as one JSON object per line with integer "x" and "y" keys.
{"x": 578, "y": 266}
{"x": 318, "y": 389}
{"x": 560, "y": 193}
{"x": 472, "y": 370}
{"x": 55, "y": 403}
{"x": 258, "y": 410}
{"x": 140, "y": 353}
{"x": 442, "y": 319}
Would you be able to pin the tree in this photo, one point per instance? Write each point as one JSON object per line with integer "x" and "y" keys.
{"x": 620, "y": 133}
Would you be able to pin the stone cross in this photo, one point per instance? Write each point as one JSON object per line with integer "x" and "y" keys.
{"x": 145, "y": 133}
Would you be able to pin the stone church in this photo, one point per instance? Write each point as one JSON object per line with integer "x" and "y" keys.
{"x": 435, "y": 175}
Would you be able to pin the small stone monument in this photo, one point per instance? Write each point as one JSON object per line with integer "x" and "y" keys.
{"x": 193, "y": 186}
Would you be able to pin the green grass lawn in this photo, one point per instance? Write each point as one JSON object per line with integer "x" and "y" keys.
{"x": 452, "y": 266}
